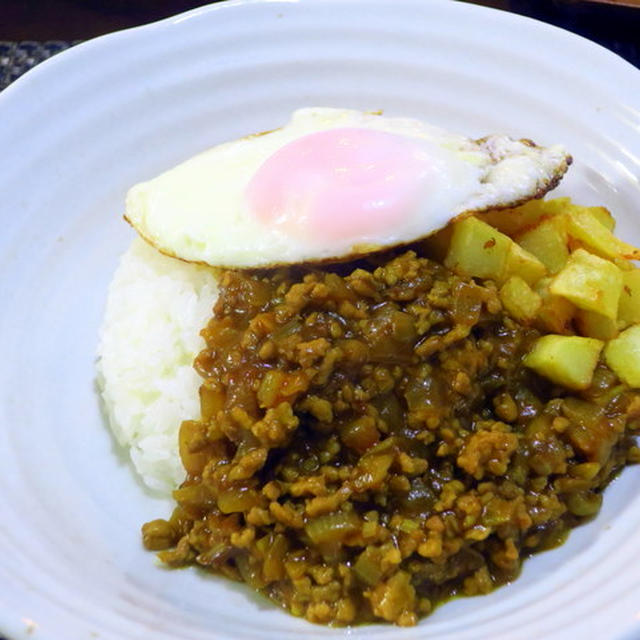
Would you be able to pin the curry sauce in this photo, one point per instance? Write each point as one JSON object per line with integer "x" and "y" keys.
{"x": 370, "y": 444}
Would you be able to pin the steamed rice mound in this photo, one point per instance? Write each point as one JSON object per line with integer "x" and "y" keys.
{"x": 150, "y": 336}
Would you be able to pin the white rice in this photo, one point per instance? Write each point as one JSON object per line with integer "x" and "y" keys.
{"x": 156, "y": 307}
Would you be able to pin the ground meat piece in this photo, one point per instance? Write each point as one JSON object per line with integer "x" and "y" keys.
{"x": 370, "y": 444}
{"x": 274, "y": 429}
{"x": 394, "y": 600}
{"x": 487, "y": 452}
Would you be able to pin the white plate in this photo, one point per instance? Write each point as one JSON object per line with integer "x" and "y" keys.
{"x": 82, "y": 127}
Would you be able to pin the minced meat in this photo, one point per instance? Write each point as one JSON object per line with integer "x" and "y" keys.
{"x": 370, "y": 444}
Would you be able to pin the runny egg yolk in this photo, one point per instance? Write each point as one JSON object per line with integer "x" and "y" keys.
{"x": 344, "y": 182}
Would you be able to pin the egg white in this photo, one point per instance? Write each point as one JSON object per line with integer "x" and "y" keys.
{"x": 198, "y": 210}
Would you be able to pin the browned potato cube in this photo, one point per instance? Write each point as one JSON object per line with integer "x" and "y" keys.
{"x": 623, "y": 356}
{"x": 566, "y": 360}
{"x": 629, "y": 306}
{"x": 556, "y": 313}
{"x": 519, "y": 299}
{"x": 547, "y": 241}
{"x": 594, "y": 325}
{"x": 479, "y": 250}
{"x": 604, "y": 217}
{"x": 585, "y": 227}
{"x": 590, "y": 282}
{"x": 476, "y": 249}
{"x": 517, "y": 220}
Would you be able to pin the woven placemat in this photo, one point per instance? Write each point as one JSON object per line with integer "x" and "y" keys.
{"x": 18, "y": 57}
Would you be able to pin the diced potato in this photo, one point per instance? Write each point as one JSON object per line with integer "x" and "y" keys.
{"x": 520, "y": 219}
{"x": 604, "y": 217}
{"x": 590, "y": 282}
{"x": 622, "y": 355}
{"x": 585, "y": 227}
{"x": 629, "y": 305}
{"x": 479, "y": 250}
{"x": 594, "y": 325}
{"x": 519, "y": 300}
{"x": 548, "y": 242}
{"x": 556, "y": 313}
{"x": 476, "y": 249}
{"x": 523, "y": 264}
{"x": 514, "y": 221}
{"x": 623, "y": 264}
{"x": 555, "y": 206}
{"x": 565, "y": 360}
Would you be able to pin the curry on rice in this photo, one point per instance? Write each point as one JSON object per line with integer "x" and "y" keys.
{"x": 373, "y": 437}
{"x": 370, "y": 443}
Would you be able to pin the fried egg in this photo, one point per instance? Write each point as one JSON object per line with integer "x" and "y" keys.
{"x": 332, "y": 184}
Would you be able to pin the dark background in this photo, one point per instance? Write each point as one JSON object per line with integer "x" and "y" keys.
{"x": 80, "y": 19}
{"x": 611, "y": 23}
